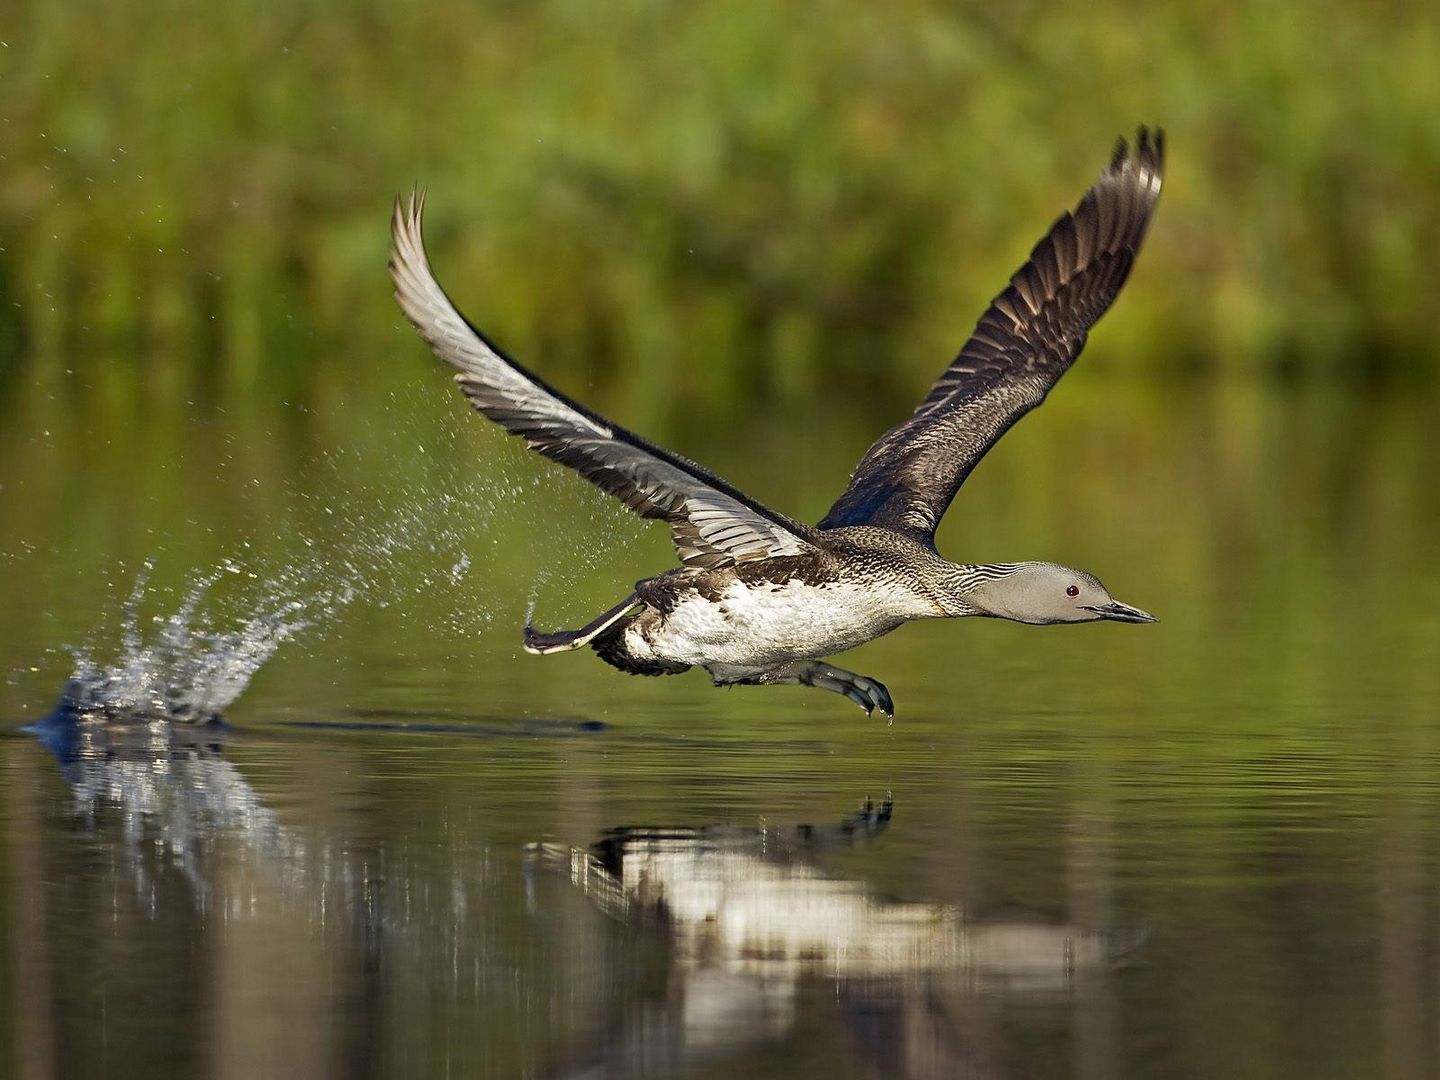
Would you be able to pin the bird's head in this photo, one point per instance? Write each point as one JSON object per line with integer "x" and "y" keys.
{"x": 1041, "y": 593}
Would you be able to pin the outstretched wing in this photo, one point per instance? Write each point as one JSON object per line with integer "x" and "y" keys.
{"x": 711, "y": 523}
{"x": 1029, "y": 337}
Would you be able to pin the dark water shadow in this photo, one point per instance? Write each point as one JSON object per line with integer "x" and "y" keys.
{"x": 476, "y": 726}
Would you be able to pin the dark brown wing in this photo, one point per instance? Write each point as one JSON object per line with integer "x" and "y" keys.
{"x": 1022, "y": 345}
{"x": 711, "y": 523}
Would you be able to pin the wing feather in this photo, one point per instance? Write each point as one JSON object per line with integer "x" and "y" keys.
{"x": 1028, "y": 337}
{"x": 711, "y": 523}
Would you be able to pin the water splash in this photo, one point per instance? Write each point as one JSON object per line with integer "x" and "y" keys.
{"x": 191, "y": 663}
{"x": 355, "y": 528}
{"x": 182, "y": 666}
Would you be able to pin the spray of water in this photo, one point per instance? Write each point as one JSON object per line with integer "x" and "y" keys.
{"x": 183, "y": 665}
{"x": 191, "y": 661}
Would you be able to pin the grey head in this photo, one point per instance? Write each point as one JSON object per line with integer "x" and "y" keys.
{"x": 1042, "y": 593}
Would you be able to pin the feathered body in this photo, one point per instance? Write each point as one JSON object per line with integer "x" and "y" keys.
{"x": 739, "y": 622}
{"x": 763, "y": 597}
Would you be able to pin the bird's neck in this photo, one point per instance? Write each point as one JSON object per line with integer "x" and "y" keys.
{"x": 964, "y": 587}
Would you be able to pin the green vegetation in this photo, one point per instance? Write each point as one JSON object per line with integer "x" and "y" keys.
{"x": 815, "y": 194}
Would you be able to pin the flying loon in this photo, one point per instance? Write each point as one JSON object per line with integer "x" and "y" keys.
{"x": 763, "y": 598}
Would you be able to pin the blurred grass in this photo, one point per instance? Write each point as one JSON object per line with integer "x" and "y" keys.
{"x": 809, "y": 197}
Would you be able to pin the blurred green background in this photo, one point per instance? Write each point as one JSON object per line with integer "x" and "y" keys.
{"x": 802, "y": 197}
{"x": 757, "y": 232}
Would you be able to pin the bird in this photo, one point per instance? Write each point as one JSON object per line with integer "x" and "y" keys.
{"x": 761, "y": 598}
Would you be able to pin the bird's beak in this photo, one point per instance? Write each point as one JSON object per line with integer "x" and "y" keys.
{"x": 1122, "y": 613}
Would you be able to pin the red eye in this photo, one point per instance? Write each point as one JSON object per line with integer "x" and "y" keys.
{"x": 1073, "y": 590}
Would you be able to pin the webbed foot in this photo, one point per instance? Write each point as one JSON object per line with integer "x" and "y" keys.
{"x": 870, "y": 694}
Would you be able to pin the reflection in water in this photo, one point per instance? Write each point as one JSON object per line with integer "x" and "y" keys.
{"x": 752, "y": 922}
{"x": 203, "y": 888}
{"x": 198, "y": 886}
{"x": 1256, "y": 782}
{"x": 166, "y": 788}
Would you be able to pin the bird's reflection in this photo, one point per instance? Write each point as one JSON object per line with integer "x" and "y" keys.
{"x": 734, "y": 940}
{"x": 755, "y": 926}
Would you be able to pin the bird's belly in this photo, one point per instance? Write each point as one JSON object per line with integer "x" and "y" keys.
{"x": 765, "y": 625}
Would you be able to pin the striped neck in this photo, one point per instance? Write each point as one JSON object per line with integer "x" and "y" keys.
{"x": 964, "y": 582}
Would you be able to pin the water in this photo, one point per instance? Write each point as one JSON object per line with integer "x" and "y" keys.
{"x": 1203, "y": 848}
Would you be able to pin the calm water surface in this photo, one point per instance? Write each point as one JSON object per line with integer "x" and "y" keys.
{"x": 1204, "y": 848}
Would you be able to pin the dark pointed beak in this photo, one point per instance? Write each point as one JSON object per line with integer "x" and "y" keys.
{"x": 1122, "y": 613}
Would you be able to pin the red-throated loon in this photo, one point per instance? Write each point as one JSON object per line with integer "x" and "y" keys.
{"x": 762, "y": 598}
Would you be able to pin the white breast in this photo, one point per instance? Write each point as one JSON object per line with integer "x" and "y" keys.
{"x": 767, "y": 625}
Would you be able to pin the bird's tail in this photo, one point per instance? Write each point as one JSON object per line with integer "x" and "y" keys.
{"x": 566, "y": 640}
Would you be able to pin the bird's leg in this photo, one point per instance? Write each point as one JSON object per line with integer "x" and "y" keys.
{"x": 869, "y": 694}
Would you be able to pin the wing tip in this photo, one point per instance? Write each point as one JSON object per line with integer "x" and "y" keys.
{"x": 409, "y": 209}
{"x": 1146, "y": 165}
{"x": 408, "y": 264}
{"x": 407, "y": 236}
{"x": 1118, "y": 208}
{"x": 412, "y": 206}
